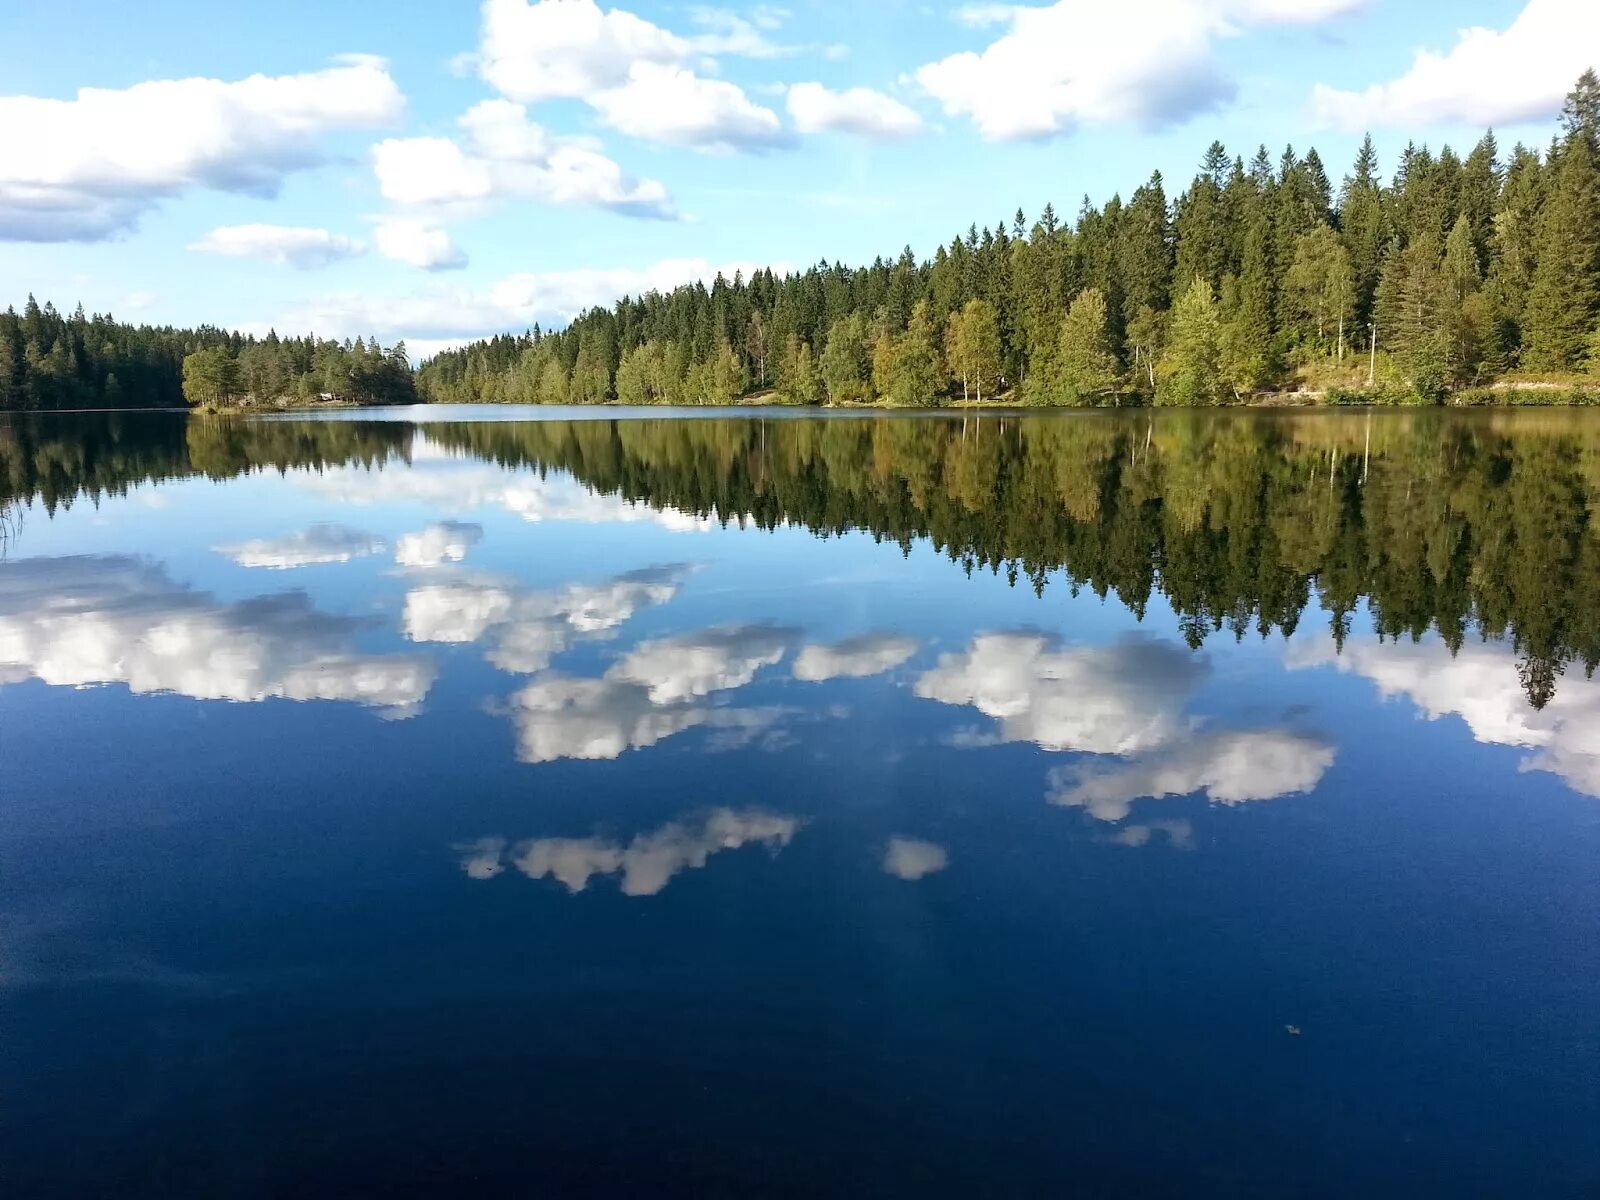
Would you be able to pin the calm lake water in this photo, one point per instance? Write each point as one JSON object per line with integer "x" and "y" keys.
{"x": 1105, "y": 804}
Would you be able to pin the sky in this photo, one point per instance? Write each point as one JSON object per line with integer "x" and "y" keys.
{"x": 437, "y": 172}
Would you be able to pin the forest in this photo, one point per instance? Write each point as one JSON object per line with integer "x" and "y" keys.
{"x": 1472, "y": 278}
{"x": 1477, "y": 524}
{"x": 48, "y": 361}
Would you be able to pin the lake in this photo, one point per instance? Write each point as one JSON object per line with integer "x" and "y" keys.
{"x": 1087, "y": 804}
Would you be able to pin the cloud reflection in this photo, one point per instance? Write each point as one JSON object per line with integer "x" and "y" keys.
{"x": 912, "y": 859}
{"x": 655, "y": 691}
{"x": 117, "y": 619}
{"x": 646, "y": 864}
{"x": 1479, "y": 683}
{"x": 1121, "y": 698}
{"x": 438, "y": 544}
{"x": 461, "y": 484}
{"x": 1229, "y": 767}
{"x": 310, "y": 547}
{"x": 853, "y": 658}
{"x": 530, "y": 628}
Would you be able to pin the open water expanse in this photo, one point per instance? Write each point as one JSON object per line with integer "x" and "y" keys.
{"x": 1097, "y": 804}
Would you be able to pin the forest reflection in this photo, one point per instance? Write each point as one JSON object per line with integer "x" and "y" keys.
{"x": 1477, "y": 525}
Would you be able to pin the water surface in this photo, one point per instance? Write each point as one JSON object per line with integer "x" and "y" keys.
{"x": 1098, "y": 804}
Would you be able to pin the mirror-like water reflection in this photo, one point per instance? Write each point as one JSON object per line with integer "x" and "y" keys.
{"x": 1112, "y": 802}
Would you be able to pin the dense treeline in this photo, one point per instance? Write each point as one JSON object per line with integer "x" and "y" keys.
{"x": 1473, "y": 524}
{"x": 57, "y": 461}
{"x": 1260, "y": 275}
{"x": 48, "y": 361}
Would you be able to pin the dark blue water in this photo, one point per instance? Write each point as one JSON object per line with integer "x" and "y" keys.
{"x": 414, "y": 814}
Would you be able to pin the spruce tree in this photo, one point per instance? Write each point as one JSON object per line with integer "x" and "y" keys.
{"x": 1564, "y": 295}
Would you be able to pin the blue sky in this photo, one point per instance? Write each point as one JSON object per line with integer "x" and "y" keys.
{"x": 442, "y": 171}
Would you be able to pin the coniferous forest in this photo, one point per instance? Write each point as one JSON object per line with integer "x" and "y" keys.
{"x": 1471, "y": 279}
{"x": 1455, "y": 275}
{"x": 48, "y": 361}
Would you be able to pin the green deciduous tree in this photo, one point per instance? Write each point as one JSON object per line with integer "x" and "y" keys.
{"x": 1086, "y": 370}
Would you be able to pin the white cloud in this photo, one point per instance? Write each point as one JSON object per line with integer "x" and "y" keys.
{"x": 73, "y": 622}
{"x": 676, "y": 107}
{"x": 911, "y": 859}
{"x": 654, "y": 692}
{"x": 440, "y": 543}
{"x": 1230, "y": 767}
{"x": 647, "y": 864}
{"x": 530, "y": 628}
{"x": 504, "y": 155}
{"x": 853, "y": 658}
{"x": 319, "y": 544}
{"x": 1489, "y": 77}
{"x": 457, "y": 483}
{"x": 1075, "y": 62}
{"x": 454, "y": 613}
{"x": 285, "y": 245}
{"x": 87, "y": 168}
{"x": 484, "y": 858}
{"x": 417, "y": 244}
{"x": 859, "y": 110}
{"x": 448, "y": 316}
{"x": 564, "y": 717}
{"x": 1480, "y": 684}
{"x": 636, "y": 75}
{"x": 1122, "y": 698}
{"x": 690, "y": 665}
{"x": 567, "y": 49}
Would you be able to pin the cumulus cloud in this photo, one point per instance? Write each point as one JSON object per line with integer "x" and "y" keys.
{"x": 79, "y": 621}
{"x": 561, "y": 716}
{"x": 1151, "y": 62}
{"x": 445, "y": 316}
{"x": 86, "y": 168}
{"x": 647, "y": 863}
{"x": 319, "y": 544}
{"x": 438, "y": 544}
{"x": 504, "y": 155}
{"x": 657, "y": 690}
{"x": 567, "y": 49}
{"x": 676, "y": 107}
{"x": 1480, "y": 684}
{"x": 690, "y": 665}
{"x": 911, "y": 859}
{"x": 636, "y": 75}
{"x": 853, "y": 658}
{"x": 1489, "y": 77}
{"x": 1121, "y": 698}
{"x": 418, "y": 244}
{"x": 531, "y": 628}
{"x": 1230, "y": 767}
{"x": 284, "y": 245}
{"x": 859, "y": 110}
